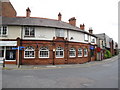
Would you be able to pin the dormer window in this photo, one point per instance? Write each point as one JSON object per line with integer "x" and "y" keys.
{"x": 3, "y": 31}
{"x": 29, "y": 31}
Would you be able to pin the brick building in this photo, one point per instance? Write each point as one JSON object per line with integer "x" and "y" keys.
{"x": 44, "y": 41}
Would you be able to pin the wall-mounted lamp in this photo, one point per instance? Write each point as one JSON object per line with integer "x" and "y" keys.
{"x": 53, "y": 49}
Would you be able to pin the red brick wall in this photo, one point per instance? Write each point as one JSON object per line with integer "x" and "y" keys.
{"x": 8, "y": 10}
{"x": 54, "y": 44}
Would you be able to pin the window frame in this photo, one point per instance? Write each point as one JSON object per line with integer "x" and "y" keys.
{"x": 86, "y": 52}
{"x": 29, "y": 50}
{"x": 72, "y": 50}
{"x": 57, "y": 50}
{"x": 44, "y": 50}
{"x": 1, "y": 30}
{"x": 86, "y": 36}
{"x": 29, "y": 31}
{"x": 81, "y": 51}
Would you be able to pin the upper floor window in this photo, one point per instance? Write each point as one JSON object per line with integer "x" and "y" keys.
{"x": 80, "y": 52}
{"x": 92, "y": 39}
{"x": 29, "y": 31}
{"x": 59, "y": 32}
{"x": 44, "y": 52}
{"x": 29, "y": 52}
{"x": 59, "y": 52}
{"x": 86, "y": 37}
{"x": 85, "y": 52}
{"x": 3, "y": 31}
{"x": 72, "y": 52}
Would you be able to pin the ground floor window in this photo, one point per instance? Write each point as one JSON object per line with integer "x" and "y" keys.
{"x": 29, "y": 52}
{"x": 72, "y": 52}
{"x": 44, "y": 52}
{"x": 1, "y": 52}
{"x": 80, "y": 52}
{"x": 10, "y": 53}
{"x": 59, "y": 52}
{"x": 85, "y": 52}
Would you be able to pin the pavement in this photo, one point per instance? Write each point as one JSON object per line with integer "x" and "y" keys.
{"x": 31, "y": 67}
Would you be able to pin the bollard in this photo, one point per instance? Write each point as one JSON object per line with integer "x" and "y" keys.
{"x": 3, "y": 62}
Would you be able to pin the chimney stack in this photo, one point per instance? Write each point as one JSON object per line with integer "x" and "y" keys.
{"x": 28, "y": 12}
{"x": 59, "y": 16}
{"x": 90, "y": 31}
{"x": 72, "y": 21}
{"x": 82, "y": 27}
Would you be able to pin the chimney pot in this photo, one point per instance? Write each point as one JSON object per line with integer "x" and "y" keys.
{"x": 59, "y": 16}
{"x": 28, "y": 12}
{"x": 90, "y": 31}
{"x": 82, "y": 27}
{"x": 72, "y": 21}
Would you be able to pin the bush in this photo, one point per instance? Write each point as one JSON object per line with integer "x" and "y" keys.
{"x": 107, "y": 54}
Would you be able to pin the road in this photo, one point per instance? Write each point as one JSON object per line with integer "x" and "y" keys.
{"x": 101, "y": 75}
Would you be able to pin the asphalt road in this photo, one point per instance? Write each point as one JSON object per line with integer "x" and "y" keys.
{"x": 102, "y": 75}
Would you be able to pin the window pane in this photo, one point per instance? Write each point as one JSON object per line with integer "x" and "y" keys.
{"x": 4, "y": 30}
{"x": 32, "y": 32}
{"x": 26, "y": 31}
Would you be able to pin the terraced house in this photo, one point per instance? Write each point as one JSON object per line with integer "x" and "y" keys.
{"x": 35, "y": 40}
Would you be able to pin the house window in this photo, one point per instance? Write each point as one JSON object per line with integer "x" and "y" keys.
{"x": 3, "y": 31}
{"x": 85, "y": 52}
{"x": 59, "y": 32}
{"x": 72, "y": 52}
{"x": 29, "y": 31}
{"x": 80, "y": 52}
{"x": 59, "y": 52}
{"x": 86, "y": 37}
{"x": 1, "y": 52}
{"x": 44, "y": 52}
{"x": 92, "y": 40}
{"x": 29, "y": 52}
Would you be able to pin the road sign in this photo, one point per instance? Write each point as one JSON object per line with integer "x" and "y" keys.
{"x": 91, "y": 47}
{"x": 20, "y": 48}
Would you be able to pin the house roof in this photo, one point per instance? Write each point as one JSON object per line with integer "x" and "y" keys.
{"x": 32, "y": 21}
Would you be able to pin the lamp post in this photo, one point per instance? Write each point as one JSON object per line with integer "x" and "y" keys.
{"x": 53, "y": 56}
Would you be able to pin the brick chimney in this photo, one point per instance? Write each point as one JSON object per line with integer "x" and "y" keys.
{"x": 28, "y": 12}
{"x": 59, "y": 16}
{"x": 82, "y": 26}
{"x": 90, "y": 31}
{"x": 7, "y": 9}
{"x": 72, "y": 21}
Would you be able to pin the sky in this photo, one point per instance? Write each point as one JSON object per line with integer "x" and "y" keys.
{"x": 101, "y": 15}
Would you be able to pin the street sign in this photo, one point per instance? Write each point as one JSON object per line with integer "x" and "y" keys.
{"x": 91, "y": 47}
{"x": 20, "y": 48}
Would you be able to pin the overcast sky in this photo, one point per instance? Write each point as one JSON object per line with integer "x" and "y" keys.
{"x": 101, "y": 15}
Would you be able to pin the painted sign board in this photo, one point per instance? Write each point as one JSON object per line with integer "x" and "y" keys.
{"x": 8, "y": 43}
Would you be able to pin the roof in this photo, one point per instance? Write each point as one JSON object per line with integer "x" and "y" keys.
{"x": 32, "y": 21}
{"x": 101, "y": 36}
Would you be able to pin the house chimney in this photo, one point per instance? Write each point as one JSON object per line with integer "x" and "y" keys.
{"x": 28, "y": 12}
{"x": 90, "y": 31}
{"x": 82, "y": 27}
{"x": 59, "y": 16}
{"x": 72, "y": 21}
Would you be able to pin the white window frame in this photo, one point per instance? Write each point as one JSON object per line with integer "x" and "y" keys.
{"x": 29, "y": 50}
{"x": 59, "y": 33}
{"x": 85, "y": 49}
{"x": 72, "y": 49}
{"x": 29, "y": 28}
{"x": 92, "y": 38}
{"x": 43, "y": 50}
{"x": 59, "y": 49}
{"x": 86, "y": 37}
{"x": 80, "y": 50}
{"x": 1, "y": 28}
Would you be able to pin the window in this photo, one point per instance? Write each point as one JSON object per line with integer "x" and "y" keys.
{"x": 59, "y": 32}
{"x": 80, "y": 52}
{"x": 29, "y": 52}
{"x": 29, "y": 31}
{"x": 3, "y": 31}
{"x": 44, "y": 52}
{"x": 59, "y": 52}
{"x": 86, "y": 38}
{"x": 72, "y": 52}
{"x": 92, "y": 39}
{"x": 1, "y": 52}
{"x": 85, "y": 52}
